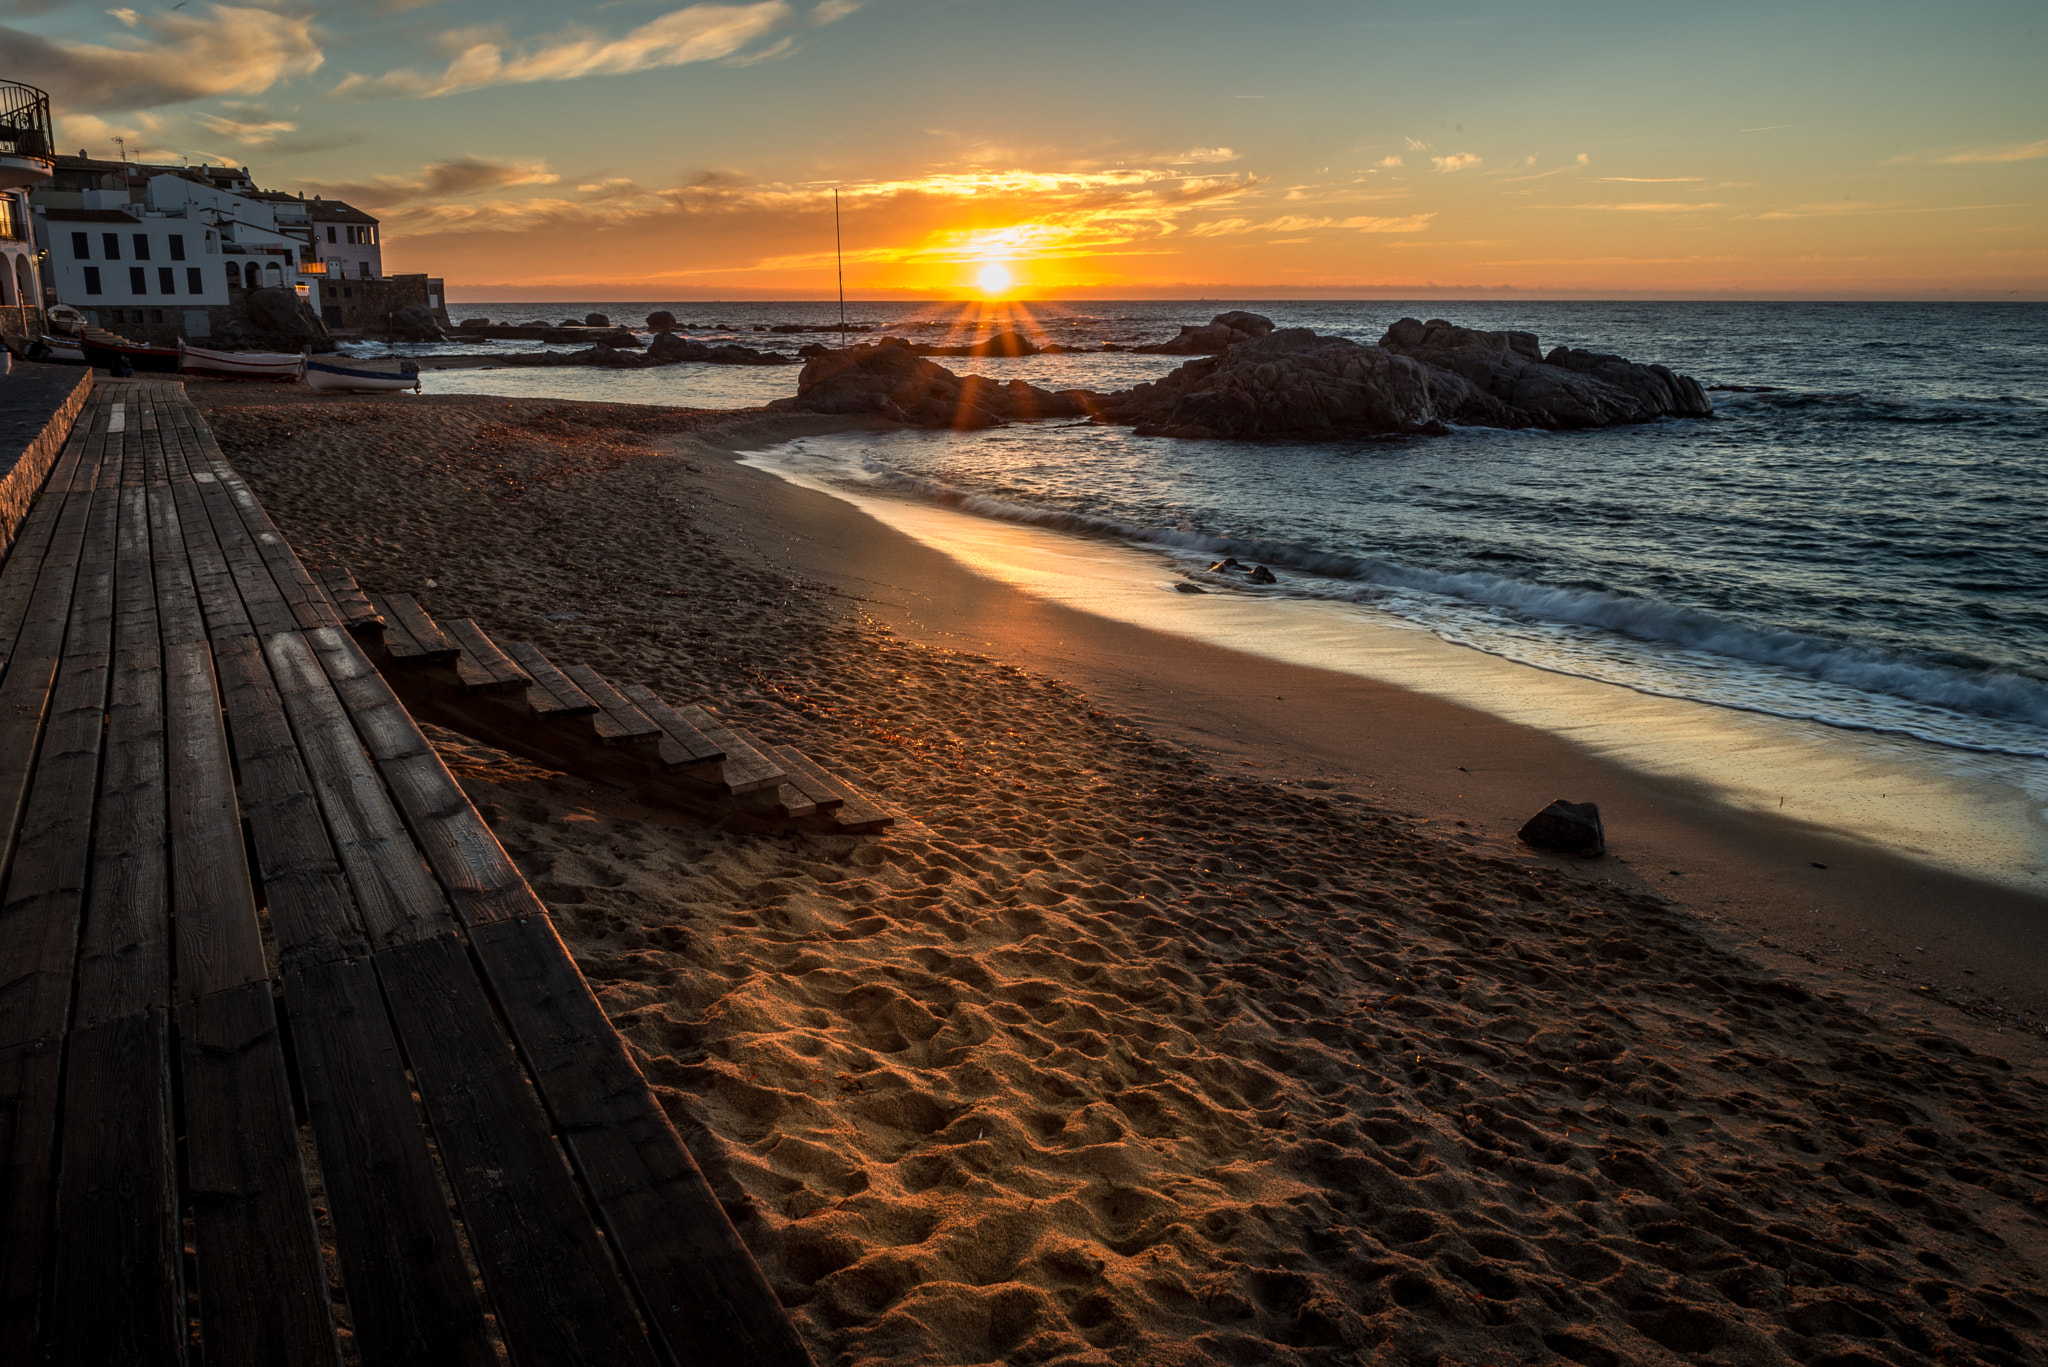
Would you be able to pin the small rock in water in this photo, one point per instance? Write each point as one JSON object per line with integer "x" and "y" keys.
{"x": 1567, "y": 828}
{"x": 1188, "y": 588}
{"x": 1262, "y": 575}
{"x": 1225, "y": 567}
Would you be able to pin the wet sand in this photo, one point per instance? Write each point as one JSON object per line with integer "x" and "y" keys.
{"x": 1187, "y": 1026}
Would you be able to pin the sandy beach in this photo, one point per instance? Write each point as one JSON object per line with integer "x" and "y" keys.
{"x": 1207, "y": 1010}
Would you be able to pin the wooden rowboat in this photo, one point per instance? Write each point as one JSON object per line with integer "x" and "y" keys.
{"x": 344, "y": 379}
{"x": 240, "y": 365}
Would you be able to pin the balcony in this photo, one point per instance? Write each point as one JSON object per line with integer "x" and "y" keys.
{"x": 25, "y": 146}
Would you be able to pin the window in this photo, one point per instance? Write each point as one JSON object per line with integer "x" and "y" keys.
{"x": 142, "y": 246}
{"x": 362, "y": 270}
{"x": 81, "y": 246}
{"x": 177, "y": 246}
{"x": 166, "y": 280}
{"x": 138, "y": 280}
{"x": 195, "y": 283}
{"x": 92, "y": 279}
{"x": 330, "y": 232}
{"x": 112, "y": 242}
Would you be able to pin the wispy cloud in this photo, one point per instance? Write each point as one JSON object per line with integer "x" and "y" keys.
{"x": 253, "y": 130}
{"x": 1634, "y": 208}
{"x": 832, "y": 11}
{"x": 698, "y": 33}
{"x": 445, "y": 179}
{"x": 1975, "y": 156}
{"x": 1198, "y": 156}
{"x": 1456, "y": 161}
{"x": 1650, "y": 180}
{"x": 1390, "y": 162}
{"x": 1847, "y": 206}
{"x": 1295, "y": 223}
{"x": 232, "y": 50}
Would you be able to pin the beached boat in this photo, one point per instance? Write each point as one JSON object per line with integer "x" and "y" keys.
{"x": 240, "y": 365}
{"x": 56, "y": 351}
{"x": 111, "y": 352}
{"x": 338, "y": 378}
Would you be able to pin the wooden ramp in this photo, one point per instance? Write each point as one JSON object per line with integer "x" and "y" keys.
{"x": 291, "y": 1058}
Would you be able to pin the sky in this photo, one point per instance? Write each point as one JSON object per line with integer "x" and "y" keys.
{"x": 1106, "y": 149}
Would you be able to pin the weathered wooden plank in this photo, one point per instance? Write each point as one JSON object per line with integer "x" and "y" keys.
{"x": 349, "y": 599}
{"x": 262, "y": 1281}
{"x": 411, "y": 1299}
{"x": 617, "y": 721}
{"x": 700, "y": 1286}
{"x": 856, "y": 809}
{"x": 220, "y": 942}
{"x": 559, "y": 1299}
{"x": 30, "y": 1079}
{"x": 821, "y": 788}
{"x": 124, "y": 960}
{"x": 745, "y": 769}
{"x": 394, "y": 891}
{"x": 23, "y": 566}
{"x": 419, "y": 638}
{"x": 682, "y": 743}
{"x": 269, "y": 610}
{"x": 482, "y": 666}
{"x": 552, "y": 695}
{"x": 118, "y": 1293}
{"x": 310, "y": 910}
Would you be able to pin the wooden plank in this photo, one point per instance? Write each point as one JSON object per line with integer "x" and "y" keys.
{"x": 124, "y": 962}
{"x": 420, "y": 640}
{"x": 411, "y": 1298}
{"x": 745, "y": 770}
{"x": 552, "y": 695}
{"x": 220, "y": 942}
{"x": 310, "y": 910}
{"x": 617, "y": 721}
{"x": 269, "y": 610}
{"x": 700, "y": 1286}
{"x": 814, "y": 783}
{"x": 349, "y": 599}
{"x": 23, "y": 566}
{"x": 858, "y": 810}
{"x": 30, "y": 1078}
{"x": 394, "y": 892}
{"x": 559, "y": 1299}
{"x": 483, "y": 667}
{"x": 262, "y": 1280}
{"x": 480, "y": 879}
{"x": 118, "y": 1293}
{"x": 682, "y": 743}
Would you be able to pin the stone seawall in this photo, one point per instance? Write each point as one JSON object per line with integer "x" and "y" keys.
{"x": 38, "y": 404}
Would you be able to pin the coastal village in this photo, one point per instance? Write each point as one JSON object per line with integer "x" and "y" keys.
{"x": 489, "y": 877}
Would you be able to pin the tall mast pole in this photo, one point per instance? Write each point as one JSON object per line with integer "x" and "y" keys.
{"x": 839, "y": 251}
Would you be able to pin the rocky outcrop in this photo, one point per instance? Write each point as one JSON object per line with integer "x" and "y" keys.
{"x": 1421, "y": 378}
{"x": 279, "y": 317}
{"x": 596, "y": 320}
{"x": 1002, "y": 344}
{"x": 890, "y": 380}
{"x": 413, "y": 323}
{"x": 662, "y": 321}
{"x": 668, "y": 349}
{"x": 1567, "y": 388}
{"x": 1219, "y": 334}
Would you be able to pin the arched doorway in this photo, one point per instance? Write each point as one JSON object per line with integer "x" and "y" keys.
{"x": 25, "y": 281}
{"x": 273, "y": 274}
{"x": 9, "y": 295}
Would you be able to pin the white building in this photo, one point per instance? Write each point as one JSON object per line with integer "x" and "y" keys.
{"x": 347, "y": 240}
{"x": 114, "y": 266}
{"x": 25, "y": 161}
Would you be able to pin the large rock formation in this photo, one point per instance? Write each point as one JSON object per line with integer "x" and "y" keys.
{"x": 1421, "y": 378}
{"x": 890, "y": 380}
{"x": 1220, "y": 333}
{"x": 278, "y": 316}
{"x": 413, "y": 323}
{"x": 667, "y": 349}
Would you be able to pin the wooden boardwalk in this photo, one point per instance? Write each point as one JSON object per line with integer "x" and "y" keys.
{"x": 291, "y": 1058}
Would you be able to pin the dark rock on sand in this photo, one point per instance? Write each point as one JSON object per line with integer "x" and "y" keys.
{"x": 1220, "y": 333}
{"x": 1566, "y": 828}
{"x": 889, "y": 380}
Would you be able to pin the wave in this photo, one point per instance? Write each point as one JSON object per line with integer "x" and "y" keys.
{"x": 1989, "y": 693}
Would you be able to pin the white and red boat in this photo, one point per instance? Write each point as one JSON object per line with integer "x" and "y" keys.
{"x": 240, "y": 365}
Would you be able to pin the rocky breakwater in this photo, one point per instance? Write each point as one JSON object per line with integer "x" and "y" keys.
{"x": 888, "y": 379}
{"x": 1218, "y": 335}
{"x": 1421, "y": 378}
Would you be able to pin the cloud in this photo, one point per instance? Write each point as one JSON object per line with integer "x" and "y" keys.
{"x": 1650, "y": 180}
{"x": 832, "y": 11}
{"x": 1414, "y": 223}
{"x": 235, "y": 51}
{"x": 698, "y": 33}
{"x": 1198, "y": 156}
{"x": 1978, "y": 156}
{"x": 442, "y": 179}
{"x": 1294, "y": 223}
{"x": 1415, "y": 145}
{"x": 1390, "y": 162}
{"x": 1635, "y": 208}
{"x": 254, "y": 131}
{"x": 1456, "y": 161}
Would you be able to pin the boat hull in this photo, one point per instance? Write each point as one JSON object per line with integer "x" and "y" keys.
{"x": 240, "y": 365}
{"x": 142, "y": 359}
{"x": 334, "y": 379}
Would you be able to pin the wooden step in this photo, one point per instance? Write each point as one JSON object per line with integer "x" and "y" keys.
{"x": 482, "y": 667}
{"x": 349, "y": 599}
{"x": 618, "y": 721}
{"x": 746, "y": 769}
{"x": 412, "y": 637}
{"x": 855, "y": 809}
{"x": 551, "y": 694}
{"x": 681, "y": 743}
{"x": 807, "y": 778}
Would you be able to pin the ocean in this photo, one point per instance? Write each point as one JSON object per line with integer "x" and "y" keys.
{"x": 1858, "y": 541}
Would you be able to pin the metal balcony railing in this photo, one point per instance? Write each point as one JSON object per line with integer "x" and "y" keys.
{"x": 24, "y": 121}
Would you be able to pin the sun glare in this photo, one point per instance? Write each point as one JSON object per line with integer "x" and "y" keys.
{"x": 994, "y": 279}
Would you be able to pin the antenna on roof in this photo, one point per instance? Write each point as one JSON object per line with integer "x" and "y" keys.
{"x": 839, "y": 252}
{"x": 122, "y": 143}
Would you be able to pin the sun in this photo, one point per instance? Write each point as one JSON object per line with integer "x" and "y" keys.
{"x": 994, "y": 279}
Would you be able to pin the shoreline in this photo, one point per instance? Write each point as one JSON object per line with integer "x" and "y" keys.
{"x": 1129, "y": 1052}
{"x": 1918, "y": 920}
